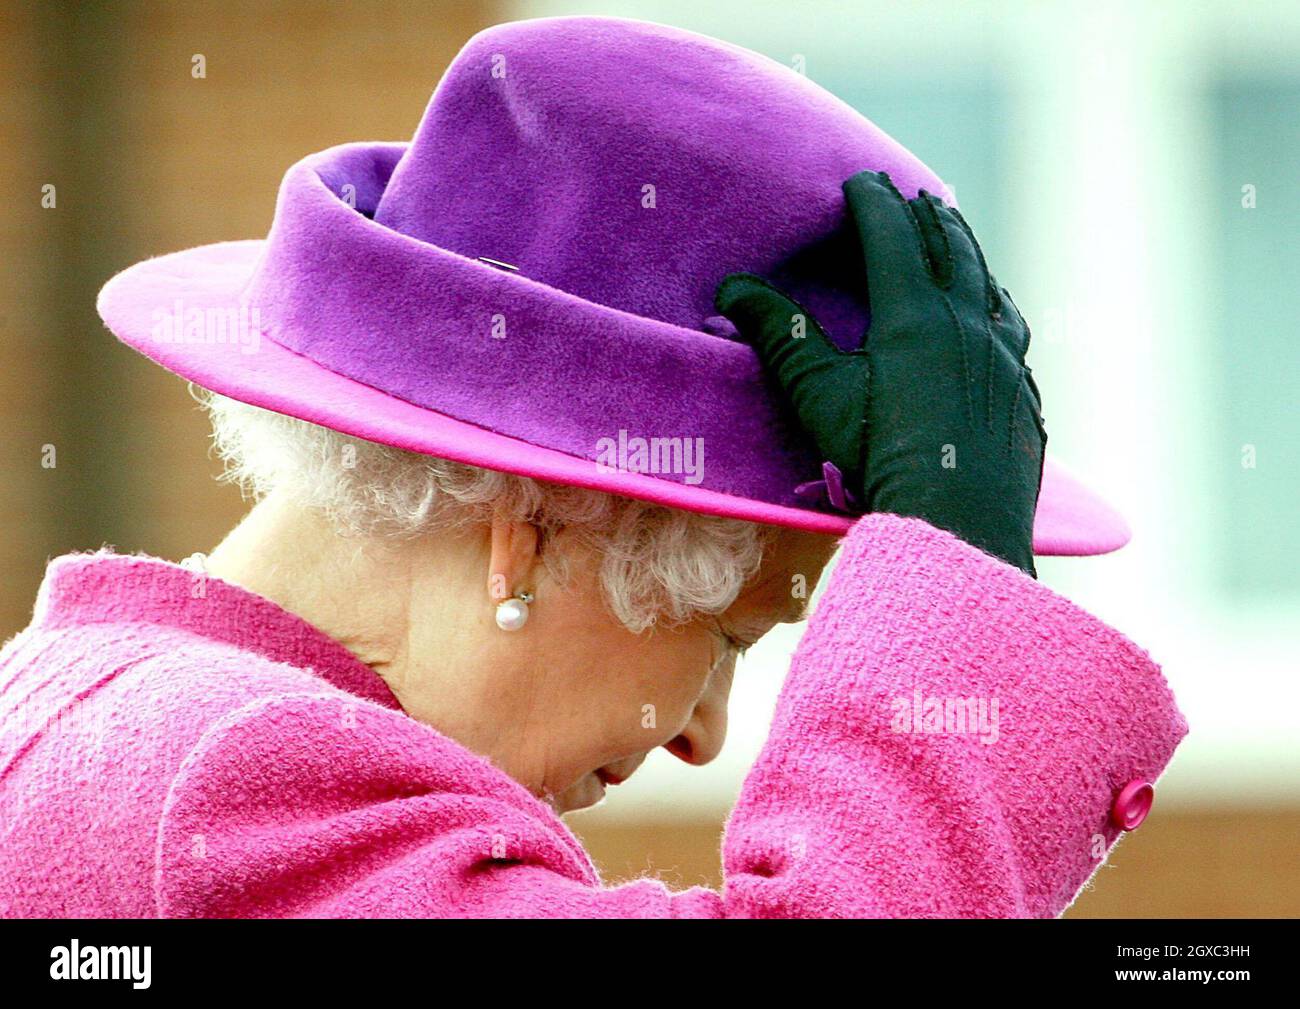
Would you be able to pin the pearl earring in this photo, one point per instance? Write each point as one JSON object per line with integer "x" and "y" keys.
{"x": 512, "y": 613}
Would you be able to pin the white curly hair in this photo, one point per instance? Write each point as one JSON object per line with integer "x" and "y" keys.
{"x": 659, "y": 565}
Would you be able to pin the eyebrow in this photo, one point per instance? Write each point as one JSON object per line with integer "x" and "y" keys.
{"x": 798, "y": 612}
{"x": 791, "y": 615}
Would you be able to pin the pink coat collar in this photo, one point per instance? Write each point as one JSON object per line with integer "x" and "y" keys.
{"x": 106, "y": 587}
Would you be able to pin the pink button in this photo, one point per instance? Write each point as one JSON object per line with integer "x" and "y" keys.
{"x": 1132, "y": 804}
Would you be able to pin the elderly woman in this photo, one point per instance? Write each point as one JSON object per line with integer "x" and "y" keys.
{"x": 535, "y": 457}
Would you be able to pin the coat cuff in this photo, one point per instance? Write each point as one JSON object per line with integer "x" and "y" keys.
{"x": 1022, "y": 716}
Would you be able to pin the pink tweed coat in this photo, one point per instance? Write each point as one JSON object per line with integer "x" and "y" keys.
{"x": 953, "y": 739}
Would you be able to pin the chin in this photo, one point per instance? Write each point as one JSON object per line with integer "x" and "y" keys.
{"x": 584, "y": 793}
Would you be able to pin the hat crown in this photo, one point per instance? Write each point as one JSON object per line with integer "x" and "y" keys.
{"x": 634, "y": 165}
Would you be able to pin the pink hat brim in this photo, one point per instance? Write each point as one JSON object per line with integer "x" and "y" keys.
{"x": 1071, "y": 519}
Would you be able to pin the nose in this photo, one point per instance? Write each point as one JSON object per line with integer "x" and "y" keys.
{"x": 701, "y": 741}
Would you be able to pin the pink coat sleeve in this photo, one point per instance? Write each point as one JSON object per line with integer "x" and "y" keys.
{"x": 949, "y": 742}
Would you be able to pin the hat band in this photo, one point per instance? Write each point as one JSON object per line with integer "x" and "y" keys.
{"x": 509, "y": 354}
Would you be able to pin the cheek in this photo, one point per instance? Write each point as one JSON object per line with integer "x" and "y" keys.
{"x": 666, "y": 682}
{"x": 644, "y": 693}
{"x": 618, "y": 694}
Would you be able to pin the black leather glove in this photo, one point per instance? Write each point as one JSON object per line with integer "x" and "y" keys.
{"x": 936, "y": 415}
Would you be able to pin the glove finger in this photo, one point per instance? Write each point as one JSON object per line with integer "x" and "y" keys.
{"x": 934, "y": 237}
{"x": 826, "y": 386}
{"x": 972, "y": 272}
{"x": 773, "y": 323}
{"x": 893, "y": 246}
{"x": 1033, "y": 389}
{"x": 968, "y": 281}
{"x": 972, "y": 254}
{"x": 1013, "y": 321}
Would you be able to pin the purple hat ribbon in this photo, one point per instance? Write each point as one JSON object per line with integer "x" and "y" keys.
{"x": 830, "y": 490}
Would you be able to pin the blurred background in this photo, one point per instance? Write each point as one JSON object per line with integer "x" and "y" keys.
{"x": 1132, "y": 170}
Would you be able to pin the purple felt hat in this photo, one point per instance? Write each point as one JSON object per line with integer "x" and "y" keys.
{"x": 528, "y": 284}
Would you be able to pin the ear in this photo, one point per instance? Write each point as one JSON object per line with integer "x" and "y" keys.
{"x": 513, "y": 560}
